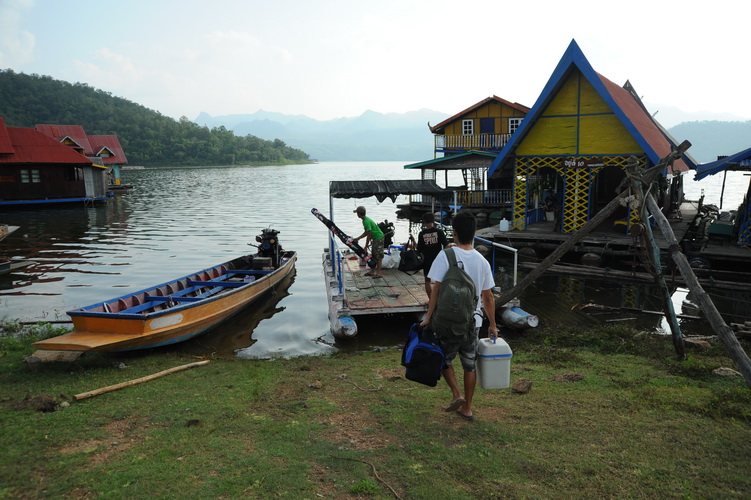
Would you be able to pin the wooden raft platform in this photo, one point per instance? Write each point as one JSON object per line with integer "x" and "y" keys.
{"x": 608, "y": 239}
{"x": 395, "y": 292}
{"x": 358, "y": 295}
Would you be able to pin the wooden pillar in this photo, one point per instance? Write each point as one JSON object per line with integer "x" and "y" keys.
{"x": 724, "y": 332}
{"x": 652, "y": 254}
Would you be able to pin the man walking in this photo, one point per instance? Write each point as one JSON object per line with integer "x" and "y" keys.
{"x": 374, "y": 236}
{"x": 430, "y": 242}
{"x": 478, "y": 269}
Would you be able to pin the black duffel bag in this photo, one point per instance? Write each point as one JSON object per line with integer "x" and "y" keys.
{"x": 411, "y": 260}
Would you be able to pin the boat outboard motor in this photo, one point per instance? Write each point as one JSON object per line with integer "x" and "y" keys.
{"x": 269, "y": 245}
{"x": 387, "y": 228}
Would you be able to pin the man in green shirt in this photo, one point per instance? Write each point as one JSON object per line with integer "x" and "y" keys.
{"x": 372, "y": 233}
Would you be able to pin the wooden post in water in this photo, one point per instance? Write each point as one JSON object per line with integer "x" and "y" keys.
{"x": 652, "y": 253}
{"x": 726, "y": 334}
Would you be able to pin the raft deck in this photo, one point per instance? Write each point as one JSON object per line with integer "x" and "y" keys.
{"x": 397, "y": 292}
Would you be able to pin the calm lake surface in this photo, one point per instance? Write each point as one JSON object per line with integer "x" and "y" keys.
{"x": 177, "y": 221}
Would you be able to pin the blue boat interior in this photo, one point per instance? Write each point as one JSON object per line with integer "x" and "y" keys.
{"x": 202, "y": 289}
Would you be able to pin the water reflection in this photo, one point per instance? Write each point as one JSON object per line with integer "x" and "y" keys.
{"x": 179, "y": 220}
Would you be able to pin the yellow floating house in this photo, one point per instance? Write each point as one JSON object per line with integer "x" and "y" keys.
{"x": 574, "y": 144}
{"x": 485, "y": 126}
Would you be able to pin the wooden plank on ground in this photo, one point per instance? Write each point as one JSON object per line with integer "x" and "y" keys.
{"x": 51, "y": 355}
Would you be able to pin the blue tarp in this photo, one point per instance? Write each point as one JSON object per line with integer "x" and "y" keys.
{"x": 738, "y": 161}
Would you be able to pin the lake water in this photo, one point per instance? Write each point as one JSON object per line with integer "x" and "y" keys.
{"x": 177, "y": 221}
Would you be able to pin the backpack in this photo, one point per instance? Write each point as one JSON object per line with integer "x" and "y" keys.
{"x": 411, "y": 260}
{"x": 454, "y": 316}
{"x": 422, "y": 357}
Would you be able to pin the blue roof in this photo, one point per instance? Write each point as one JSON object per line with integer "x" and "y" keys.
{"x": 624, "y": 105}
{"x": 738, "y": 161}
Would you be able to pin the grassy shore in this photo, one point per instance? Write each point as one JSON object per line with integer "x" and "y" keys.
{"x": 637, "y": 424}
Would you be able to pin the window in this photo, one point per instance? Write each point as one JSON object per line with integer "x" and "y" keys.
{"x": 73, "y": 174}
{"x": 30, "y": 176}
{"x": 468, "y": 127}
{"x": 513, "y": 124}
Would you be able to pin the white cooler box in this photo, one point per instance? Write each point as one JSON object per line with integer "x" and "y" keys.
{"x": 494, "y": 363}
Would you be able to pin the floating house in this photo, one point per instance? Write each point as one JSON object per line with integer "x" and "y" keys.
{"x": 720, "y": 240}
{"x": 737, "y": 224}
{"x": 473, "y": 193}
{"x": 466, "y": 144}
{"x": 111, "y": 154}
{"x": 485, "y": 126}
{"x": 103, "y": 150}
{"x": 574, "y": 145}
{"x": 37, "y": 169}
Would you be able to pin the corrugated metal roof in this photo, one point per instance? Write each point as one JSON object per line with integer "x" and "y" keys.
{"x": 437, "y": 129}
{"x": 75, "y": 133}
{"x": 5, "y": 145}
{"x": 737, "y": 161}
{"x": 29, "y": 146}
{"x": 645, "y": 125}
{"x": 470, "y": 159}
{"x": 111, "y": 142}
{"x": 384, "y": 189}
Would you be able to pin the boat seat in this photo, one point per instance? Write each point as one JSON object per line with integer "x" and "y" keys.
{"x": 150, "y": 301}
{"x": 174, "y": 299}
{"x": 250, "y": 272}
{"x": 214, "y": 283}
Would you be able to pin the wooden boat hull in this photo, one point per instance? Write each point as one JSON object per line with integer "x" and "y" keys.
{"x": 173, "y": 317}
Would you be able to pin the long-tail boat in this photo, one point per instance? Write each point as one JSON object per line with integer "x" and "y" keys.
{"x": 180, "y": 309}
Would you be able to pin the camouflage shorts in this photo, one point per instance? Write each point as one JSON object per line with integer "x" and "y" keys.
{"x": 377, "y": 247}
{"x": 467, "y": 350}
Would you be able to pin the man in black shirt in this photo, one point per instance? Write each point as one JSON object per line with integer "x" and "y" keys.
{"x": 430, "y": 242}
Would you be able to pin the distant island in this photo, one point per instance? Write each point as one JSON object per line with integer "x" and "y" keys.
{"x": 148, "y": 137}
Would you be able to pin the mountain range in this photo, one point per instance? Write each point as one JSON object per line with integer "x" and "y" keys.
{"x": 375, "y": 136}
{"x": 371, "y": 136}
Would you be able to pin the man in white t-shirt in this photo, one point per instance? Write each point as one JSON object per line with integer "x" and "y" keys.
{"x": 478, "y": 268}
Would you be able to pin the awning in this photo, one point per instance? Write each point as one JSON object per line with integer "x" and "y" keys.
{"x": 470, "y": 159}
{"x": 384, "y": 189}
{"x": 738, "y": 161}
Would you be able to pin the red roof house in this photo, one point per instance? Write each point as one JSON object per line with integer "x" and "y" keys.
{"x": 35, "y": 168}
{"x": 70, "y": 135}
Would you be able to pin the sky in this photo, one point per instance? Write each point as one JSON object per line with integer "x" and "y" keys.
{"x": 328, "y": 59}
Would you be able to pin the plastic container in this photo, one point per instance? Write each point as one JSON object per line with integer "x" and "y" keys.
{"x": 503, "y": 225}
{"x": 494, "y": 363}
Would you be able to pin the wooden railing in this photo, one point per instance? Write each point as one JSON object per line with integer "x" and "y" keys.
{"x": 494, "y": 142}
{"x": 468, "y": 198}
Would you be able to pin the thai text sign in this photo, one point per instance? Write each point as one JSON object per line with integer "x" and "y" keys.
{"x": 580, "y": 162}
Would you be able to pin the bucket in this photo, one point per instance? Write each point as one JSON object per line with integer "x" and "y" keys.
{"x": 494, "y": 367}
{"x": 503, "y": 225}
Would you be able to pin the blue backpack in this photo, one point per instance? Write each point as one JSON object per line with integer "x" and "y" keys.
{"x": 422, "y": 357}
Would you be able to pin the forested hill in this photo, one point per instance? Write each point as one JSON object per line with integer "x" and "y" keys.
{"x": 147, "y": 136}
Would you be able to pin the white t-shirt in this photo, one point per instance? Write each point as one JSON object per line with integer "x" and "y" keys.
{"x": 474, "y": 264}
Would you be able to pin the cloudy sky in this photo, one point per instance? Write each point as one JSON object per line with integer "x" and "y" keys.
{"x": 330, "y": 58}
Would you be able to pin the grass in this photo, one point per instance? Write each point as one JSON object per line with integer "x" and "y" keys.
{"x": 639, "y": 424}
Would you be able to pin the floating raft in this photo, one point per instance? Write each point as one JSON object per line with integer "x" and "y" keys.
{"x": 396, "y": 292}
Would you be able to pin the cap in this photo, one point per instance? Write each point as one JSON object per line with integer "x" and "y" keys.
{"x": 359, "y": 210}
